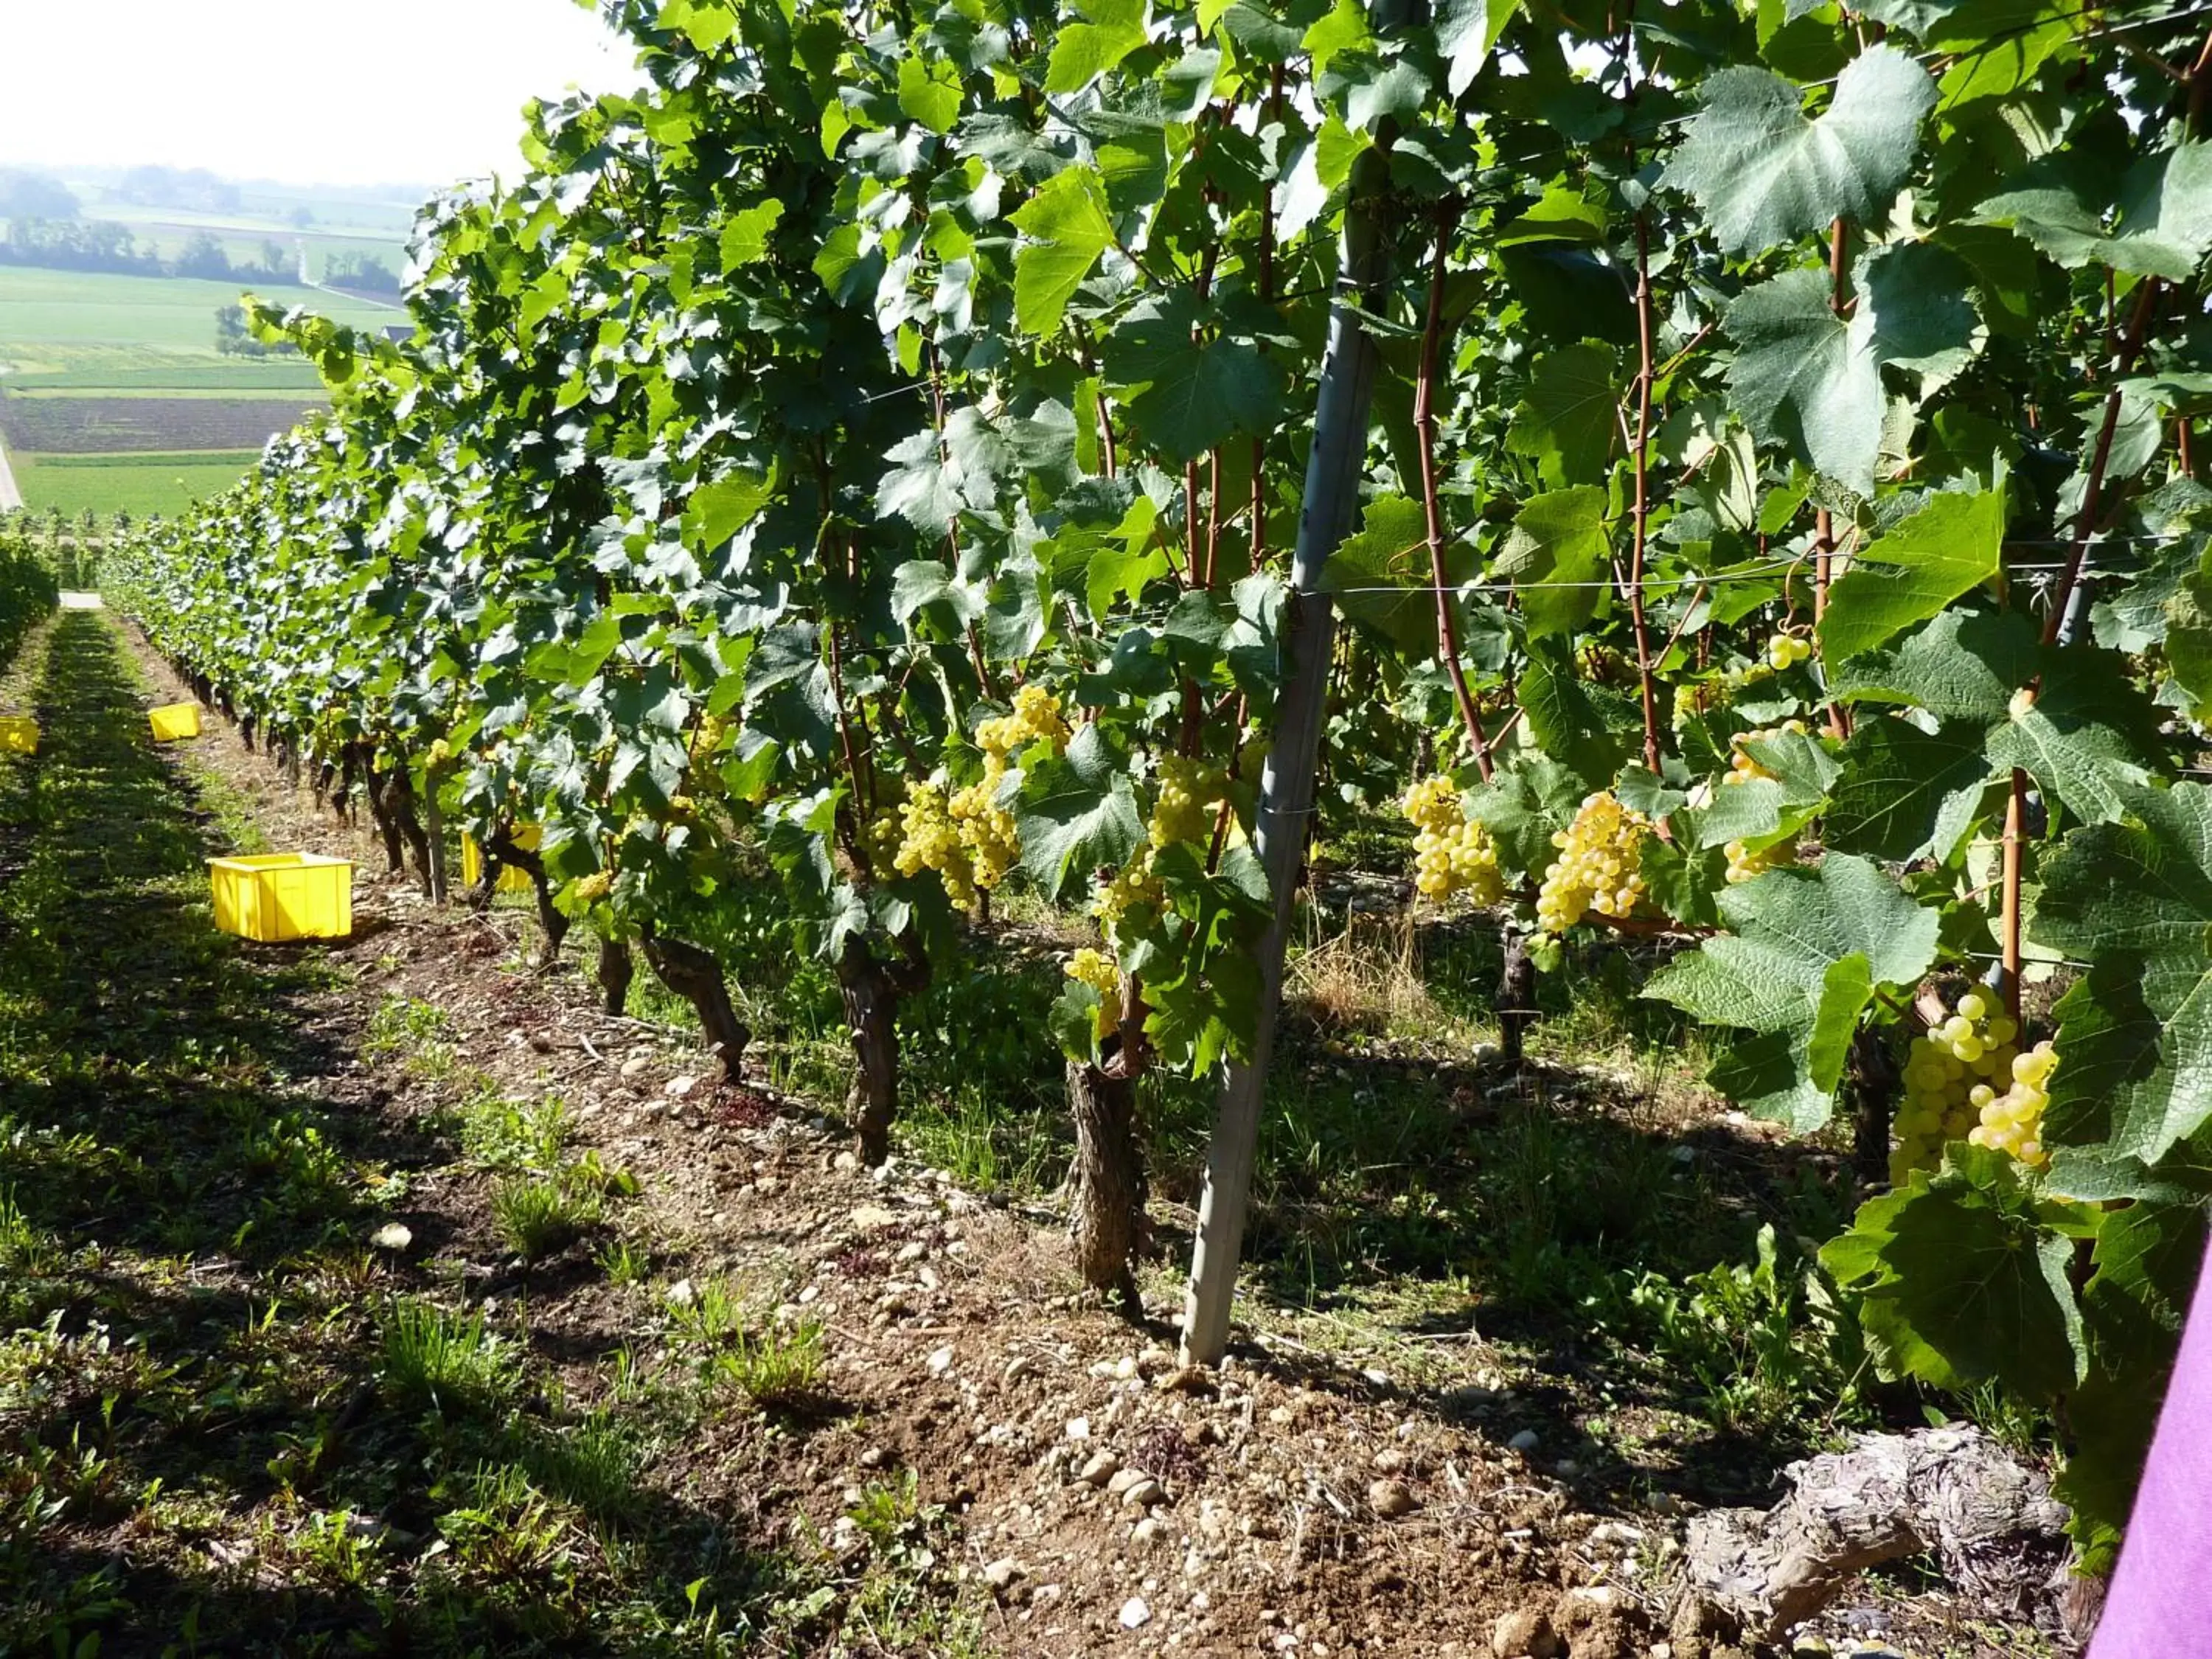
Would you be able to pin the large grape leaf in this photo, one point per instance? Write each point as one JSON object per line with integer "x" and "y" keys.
{"x": 2136, "y": 898}
{"x": 1961, "y": 1279}
{"x": 1950, "y": 546}
{"x": 1764, "y": 174}
{"x": 1906, "y": 792}
{"x": 1804, "y": 378}
{"x": 1190, "y": 394}
{"x": 1808, "y": 948}
{"x": 2158, "y": 222}
{"x": 1557, "y": 555}
{"x": 1572, "y": 415}
{"x": 1076, "y": 812}
{"x": 1924, "y": 321}
{"x": 1068, "y": 230}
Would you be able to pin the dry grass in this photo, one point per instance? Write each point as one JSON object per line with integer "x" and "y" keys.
{"x": 1368, "y": 978}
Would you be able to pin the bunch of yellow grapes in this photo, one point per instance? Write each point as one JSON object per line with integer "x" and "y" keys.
{"x": 1036, "y": 717}
{"x": 1452, "y": 853}
{"x": 2012, "y": 1121}
{"x": 1189, "y": 792}
{"x": 1100, "y": 972}
{"x": 591, "y": 889}
{"x": 1597, "y": 868}
{"x": 987, "y": 829}
{"x": 1741, "y": 768}
{"x": 1950, "y": 1078}
{"x": 1784, "y": 649}
{"x": 1132, "y": 889}
{"x": 930, "y": 840}
{"x": 880, "y": 839}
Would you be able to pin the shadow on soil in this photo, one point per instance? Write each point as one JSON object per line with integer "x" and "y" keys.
{"x": 216, "y": 1436}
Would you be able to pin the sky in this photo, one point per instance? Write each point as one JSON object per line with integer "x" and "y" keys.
{"x": 414, "y": 92}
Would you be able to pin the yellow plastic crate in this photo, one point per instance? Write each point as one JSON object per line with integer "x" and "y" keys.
{"x": 18, "y": 735}
{"x": 174, "y": 721}
{"x": 272, "y": 897}
{"x": 511, "y": 880}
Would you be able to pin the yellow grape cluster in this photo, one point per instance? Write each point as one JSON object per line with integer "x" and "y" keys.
{"x": 1100, "y": 973}
{"x": 880, "y": 839}
{"x": 930, "y": 840}
{"x": 1135, "y": 888}
{"x": 1741, "y": 768}
{"x": 591, "y": 889}
{"x": 1950, "y": 1077}
{"x": 1189, "y": 791}
{"x": 1784, "y": 649}
{"x": 2012, "y": 1121}
{"x": 1746, "y": 862}
{"x": 1597, "y": 866}
{"x": 1036, "y": 717}
{"x": 1452, "y": 853}
{"x": 987, "y": 829}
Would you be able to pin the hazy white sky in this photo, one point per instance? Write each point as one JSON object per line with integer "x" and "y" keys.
{"x": 418, "y": 92}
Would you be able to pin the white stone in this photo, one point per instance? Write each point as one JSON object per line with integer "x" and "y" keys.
{"x": 940, "y": 1362}
{"x": 680, "y": 1086}
{"x": 1079, "y": 1428}
{"x": 1135, "y": 1615}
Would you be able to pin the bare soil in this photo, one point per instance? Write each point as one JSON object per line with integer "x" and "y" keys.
{"x": 1288, "y": 1503}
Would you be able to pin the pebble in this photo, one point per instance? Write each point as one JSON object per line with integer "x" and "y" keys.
{"x": 1526, "y": 1441}
{"x": 680, "y": 1086}
{"x": 1001, "y": 1573}
{"x": 1123, "y": 1479}
{"x": 1144, "y": 1493}
{"x": 845, "y": 1162}
{"x": 940, "y": 1362}
{"x": 1098, "y": 1469}
{"x": 1390, "y": 1499}
{"x": 635, "y": 1064}
{"x": 870, "y": 1215}
{"x": 1389, "y": 1460}
{"x": 912, "y": 1251}
{"x": 1526, "y": 1631}
{"x": 1146, "y": 1531}
{"x": 874, "y": 1458}
{"x": 681, "y": 1295}
{"x": 1079, "y": 1428}
{"x": 1135, "y": 1615}
{"x": 1021, "y": 1365}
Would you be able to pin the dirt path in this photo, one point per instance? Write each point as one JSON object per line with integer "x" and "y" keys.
{"x": 575, "y": 1348}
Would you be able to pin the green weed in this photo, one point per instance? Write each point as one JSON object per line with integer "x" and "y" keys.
{"x": 539, "y": 1217}
{"x": 446, "y": 1362}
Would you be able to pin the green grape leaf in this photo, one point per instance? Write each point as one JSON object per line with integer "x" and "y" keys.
{"x": 2161, "y": 214}
{"x": 1783, "y": 975}
{"x": 1190, "y": 395}
{"x": 1067, "y": 228}
{"x": 1466, "y": 32}
{"x": 1949, "y": 547}
{"x": 1804, "y": 378}
{"x": 1905, "y": 792}
{"x": 1389, "y": 552}
{"x": 1764, "y": 174}
{"x": 1964, "y": 666}
{"x": 1076, "y": 812}
{"x": 2136, "y": 1033}
{"x": 1961, "y": 1279}
{"x": 744, "y": 237}
{"x": 1925, "y": 321}
{"x": 1572, "y": 415}
{"x": 1083, "y": 51}
{"x": 930, "y": 91}
{"x": 1562, "y": 719}
{"x": 1557, "y": 555}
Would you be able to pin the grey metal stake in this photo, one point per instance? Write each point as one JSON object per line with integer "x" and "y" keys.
{"x": 1286, "y": 785}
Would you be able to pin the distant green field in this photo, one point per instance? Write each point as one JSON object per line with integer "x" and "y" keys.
{"x": 136, "y": 484}
{"x": 239, "y": 378}
{"x": 55, "y": 321}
